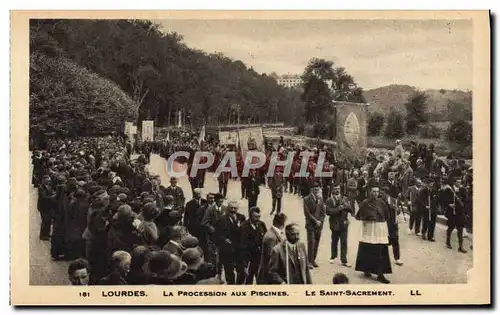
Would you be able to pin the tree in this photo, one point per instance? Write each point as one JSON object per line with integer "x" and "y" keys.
{"x": 344, "y": 88}
{"x": 395, "y": 125}
{"x": 318, "y": 100}
{"x": 324, "y": 83}
{"x": 375, "y": 123}
{"x": 66, "y": 99}
{"x": 459, "y": 111}
{"x": 460, "y": 132}
{"x": 416, "y": 112}
{"x": 162, "y": 75}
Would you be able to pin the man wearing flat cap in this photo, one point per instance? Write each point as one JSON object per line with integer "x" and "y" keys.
{"x": 176, "y": 192}
{"x": 338, "y": 208}
{"x": 314, "y": 212}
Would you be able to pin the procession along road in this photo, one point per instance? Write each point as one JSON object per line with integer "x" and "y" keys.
{"x": 424, "y": 262}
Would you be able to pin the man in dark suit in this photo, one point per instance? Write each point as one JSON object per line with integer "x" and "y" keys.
{"x": 363, "y": 182}
{"x": 211, "y": 217}
{"x": 430, "y": 214}
{"x": 252, "y": 189}
{"x": 176, "y": 192}
{"x": 423, "y": 206}
{"x": 392, "y": 222}
{"x": 288, "y": 264}
{"x": 375, "y": 181}
{"x": 273, "y": 236}
{"x": 337, "y": 208}
{"x": 46, "y": 204}
{"x": 314, "y": 212}
{"x": 223, "y": 180}
{"x": 276, "y": 184}
{"x": 453, "y": 200}
{"x": 252, "y": 233}
{"x": 228, "y": 236}
{"x": 194, "y": 212}
{"x": 393, "y": 186}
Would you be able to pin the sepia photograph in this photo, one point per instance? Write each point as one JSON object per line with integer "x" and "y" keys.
{"x": 262, "y": 154}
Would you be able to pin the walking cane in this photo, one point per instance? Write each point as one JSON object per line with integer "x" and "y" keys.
{"x": 429, "y": 200}
{"x": 402, "y": 209}
{"x": 454, "y": 201}
{"x": 287, "y": 265}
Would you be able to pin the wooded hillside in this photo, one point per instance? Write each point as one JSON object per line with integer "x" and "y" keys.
{"x": 159, "y": 72}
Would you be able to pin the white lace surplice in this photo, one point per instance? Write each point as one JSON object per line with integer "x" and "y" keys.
{"x": 374, "y": 233}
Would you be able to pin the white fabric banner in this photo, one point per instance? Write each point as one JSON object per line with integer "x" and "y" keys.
{"x": 148, "y": 130}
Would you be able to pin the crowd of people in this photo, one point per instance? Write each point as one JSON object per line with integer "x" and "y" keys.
{"x": 118, "y": 224}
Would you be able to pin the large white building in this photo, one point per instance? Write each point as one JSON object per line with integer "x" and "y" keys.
{"x": 289, "y": 80}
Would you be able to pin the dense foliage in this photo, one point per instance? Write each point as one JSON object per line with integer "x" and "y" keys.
{"x": 430, "y": 132}
{"x": 68, "y": 99}
{"x": 375, "y": 123}
{"x": 416, "y": 112}
{"x": 460, "y": 132}
{"x": 395, "y": 125}
{"x": 324, "y": 83}
{"x": 163, "y": 75}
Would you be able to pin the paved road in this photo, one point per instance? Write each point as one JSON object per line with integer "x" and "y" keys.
{"x": 424, "y": 262}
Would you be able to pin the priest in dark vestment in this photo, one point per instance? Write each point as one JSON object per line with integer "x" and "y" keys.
{"x": 373, "y": 250}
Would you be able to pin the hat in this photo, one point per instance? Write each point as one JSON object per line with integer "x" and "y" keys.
{"x": 114, "y": 190}
{"x": 99, "y": 194}
{"x": 176, "y": 269}
{"x": 189, "y": 241}
{"x": 124, "y": 190}
{"x": 81, "y": 183}
{"x": 93, "y": 189}
{"x": 149, "y": 209}
{"x": 61, "y": 179}
{"x": 124, "y": 212}
{"x": 159, "y": 261}
{"x": 122, "y": 197}
{"x": 213, "y": 280}
{"x": 46, "y": 177}
{"x": 192, "y": 257}
{"x": 72, "y": 181}
{"x": 80, "y": 193}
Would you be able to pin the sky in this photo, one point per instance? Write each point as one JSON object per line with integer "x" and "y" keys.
{"x": 427, "y": 54}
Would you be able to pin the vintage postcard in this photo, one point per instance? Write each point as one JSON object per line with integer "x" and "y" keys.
{"x": 250, "y": 158}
